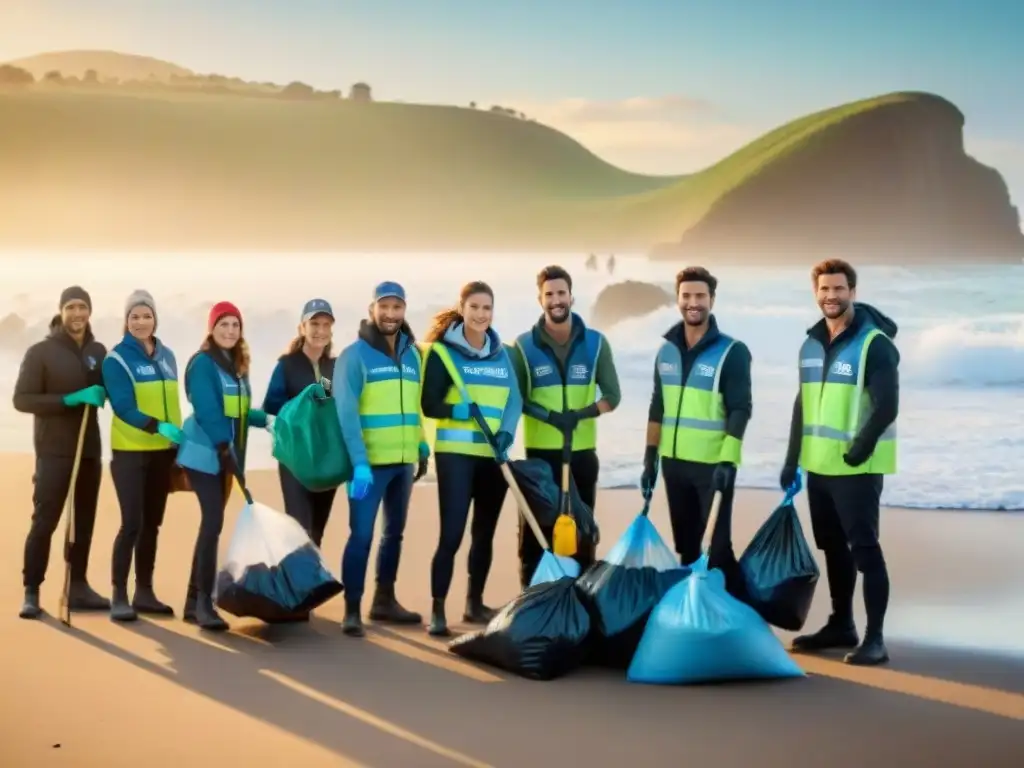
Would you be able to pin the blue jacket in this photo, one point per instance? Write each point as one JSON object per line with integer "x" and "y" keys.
{"x": 119, "y": 385}
{"x": 350, "y": 376}
{"x": 209, "y": 376}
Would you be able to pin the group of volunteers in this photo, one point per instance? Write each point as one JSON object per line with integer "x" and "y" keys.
{"x": 557, "y": 377}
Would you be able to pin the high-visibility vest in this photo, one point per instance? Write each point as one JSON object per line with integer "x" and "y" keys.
{"x": 389, "y": 406}
{"x": 693, "y": 424}
{"x": 835, "y": 405}
{"x": 155, "y": 383}
{"x": 547, "y": 388}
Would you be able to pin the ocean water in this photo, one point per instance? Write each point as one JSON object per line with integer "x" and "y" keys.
{"x": 961, "y": 340}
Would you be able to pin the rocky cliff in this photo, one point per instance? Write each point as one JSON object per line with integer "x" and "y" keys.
{"x": 622, "y": 301}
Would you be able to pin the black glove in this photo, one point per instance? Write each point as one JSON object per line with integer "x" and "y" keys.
{"x": 856, "y": 456}
{"x": 787, "y": 477}
{"x": 724, "y": 476}
{"x": 649, "y": 478}
{"x": 564, "y": 421}
{"x": 421, "y": 469}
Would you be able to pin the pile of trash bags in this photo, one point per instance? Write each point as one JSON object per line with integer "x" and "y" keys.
{"x": 640, "y": 611}
{"x": 307, "y": 440}
{"x": 272, "y": 571}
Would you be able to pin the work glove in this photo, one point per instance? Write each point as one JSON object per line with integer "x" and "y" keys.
{"x": 361, "y": 482}
{"x": 227, "y": 459}
{"x": 171, "y": 432}
{"x": 502, "y": 442}
{"x": 649, "y": 477}
{"x": 421, "y": 467}
{"x": 95, "y": 396}
{"x": 258, "y": 418}
{"x": 856, "y": 456}
{"x": 724, "y": 476}
{"x": 788, "y": 476}
{"x": 460, "y": 412}
{"x": 564, "y": 421}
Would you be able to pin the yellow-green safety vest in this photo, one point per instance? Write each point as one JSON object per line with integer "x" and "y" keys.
{"x": 389, "y": 406}
{"x": 484, "y": 382}
{"x": 693, "y": 424}
{"x": 155, "y": 383}
{"x": 835, "y": 406}
{"x": 550, "y": 389}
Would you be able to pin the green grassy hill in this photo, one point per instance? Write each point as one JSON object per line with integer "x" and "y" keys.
{"x": 108, "y": 64}
{"x": 169, "y": 167}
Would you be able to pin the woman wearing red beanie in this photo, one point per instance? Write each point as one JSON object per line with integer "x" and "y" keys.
{"x": 213, "y": 445}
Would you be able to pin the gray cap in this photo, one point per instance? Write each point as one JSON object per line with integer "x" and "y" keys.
{"x": 139, "y": 298}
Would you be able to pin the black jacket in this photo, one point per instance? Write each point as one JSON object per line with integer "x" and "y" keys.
{"x": 734, "y": 383}
{"x": 881, "y": 381}
{"x": 293, "y": 373}
{"x": 52, "y": 368}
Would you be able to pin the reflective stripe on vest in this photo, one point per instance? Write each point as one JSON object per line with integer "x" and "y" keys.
{"x": 693, "y": 424}
{"x": 546, "y": 387}
{"x": 389, "y": 406}
{"x": 835, "y": 406}
{"x": 156, "y": 395}
{"x": 484, "y": 382}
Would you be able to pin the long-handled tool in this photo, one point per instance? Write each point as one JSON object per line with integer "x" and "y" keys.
{"x": 564, "y": 535}
{"x": 69, "y": 522}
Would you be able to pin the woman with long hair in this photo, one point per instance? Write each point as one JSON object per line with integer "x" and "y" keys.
{"x": 213, "y": 446}
{"x": 463, "y": 345}
{"x": 140, "y": 375}
{"x": 307, "y": 360}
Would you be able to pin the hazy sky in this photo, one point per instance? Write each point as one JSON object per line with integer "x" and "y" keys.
{"x": 652, "y": 85}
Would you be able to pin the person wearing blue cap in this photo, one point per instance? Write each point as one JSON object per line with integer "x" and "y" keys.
{"x": 377, "y": 391}
{"x": 307, "y": 360}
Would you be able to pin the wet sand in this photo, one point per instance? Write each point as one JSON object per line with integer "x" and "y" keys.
{"x": 159, "y": 692}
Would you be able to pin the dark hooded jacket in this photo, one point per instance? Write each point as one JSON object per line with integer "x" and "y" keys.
{"x": 51, "y": 369}
{"x": 881, "y": 381}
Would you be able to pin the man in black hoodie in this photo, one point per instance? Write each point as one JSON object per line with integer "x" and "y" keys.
{"x": 699, "y": 412}
{"x": 843, "y": 434}
{"x": 58, "y": 377}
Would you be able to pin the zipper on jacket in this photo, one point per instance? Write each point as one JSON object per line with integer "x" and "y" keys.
{"x": 401, "y": 395}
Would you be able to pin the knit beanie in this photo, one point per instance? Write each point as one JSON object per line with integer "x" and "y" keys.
{"x": 139, "y": 298}
{"x": 75, "y": 293}
{"x": 222, "y": 309}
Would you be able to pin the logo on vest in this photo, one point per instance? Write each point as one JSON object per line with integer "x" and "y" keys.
{"x": 667, "y": 368}
{"x": 543, "y": 370}
{"x": 383, "y": 369}
{"x": 90, "y": 361}
{"x": 705, "y": 370}
{"x": 812, "y": 362}
{"x": 408, "y": 370}
{"x": 490, "y": 371}
{"x": 579, "y": 372}
{"x": 841, "y": 369}
{"x": 145, "y": 370}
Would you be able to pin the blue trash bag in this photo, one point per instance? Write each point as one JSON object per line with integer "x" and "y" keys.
{"x": 272, "y": 570}
{"x": 779, "y": 569}
{"x": 553, "y": 567}
{"x": 699, "y": 633}
{"x": 621, "y": 590}
{"x": 539, "y": 635}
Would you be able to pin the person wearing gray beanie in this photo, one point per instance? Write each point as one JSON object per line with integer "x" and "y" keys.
{"x": 140, "y": 298}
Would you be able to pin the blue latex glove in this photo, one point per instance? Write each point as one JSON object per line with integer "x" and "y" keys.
{"x": 421, "y": 467}
{"x": 502, "y": 442}
{"x": 361, "y": 482}
{"x": 95, "y": 396}
{"x": 171, "y": 432}
{"x": 460, "y": 411}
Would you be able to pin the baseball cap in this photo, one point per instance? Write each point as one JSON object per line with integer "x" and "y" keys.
{"x": 388, "y": 290}
{"x": 315, "y": 307}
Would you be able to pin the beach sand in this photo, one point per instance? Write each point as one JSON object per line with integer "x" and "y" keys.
{"x": 161, "y": 693}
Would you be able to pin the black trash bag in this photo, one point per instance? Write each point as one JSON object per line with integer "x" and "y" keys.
{"x": 544, "y": 495}
{"x": 272, "y": 572}
{"x": 621, "y": 590}
{"x": 539, "y": 635}
{"x": 779, "y": 570}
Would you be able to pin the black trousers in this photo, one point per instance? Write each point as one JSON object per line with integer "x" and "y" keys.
{"x": 584, "y": 468}
{"x": 142, "y": 482}
{"x": 212, "y": 491}
{"x": 845, "y": 521}
{"x": 311, "y": 509}
{"x": 463, "y": 481}
{"x": 52, "y": 481}
{"x": 689, "y": 492}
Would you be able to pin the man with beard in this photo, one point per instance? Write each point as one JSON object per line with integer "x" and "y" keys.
{"x": 377, "y": 391}
{"x": 699, "y": 411}
{"x": 59, "y": 377}
{"x": 560, "y": 365}
{"x": 843, "y": 434}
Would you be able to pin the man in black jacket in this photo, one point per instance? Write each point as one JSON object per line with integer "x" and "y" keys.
{"x": 843, "y": 435}
{"x": 59, "y": 376}
{"x": 698, "y": 414}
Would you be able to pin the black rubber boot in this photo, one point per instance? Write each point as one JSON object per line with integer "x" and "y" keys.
{"x": 352, "y": 625}
{"x": 438, "y": 623}
{"x": 120, "y": 610}
{"x": 188, "y": 614}
{"x": 85, "y": 598}
{"x": 207, "y": 616}
{"x": 870, "y": 653}
{"x": 145, "y": 601}
{"x": 386, "y": 608}
{"x": 30, "y": 608}
{"x": 837, "y": 633}
{"x": 477, "y": 612}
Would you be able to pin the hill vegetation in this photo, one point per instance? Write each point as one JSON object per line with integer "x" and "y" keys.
{"x": 177, "y": 159}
